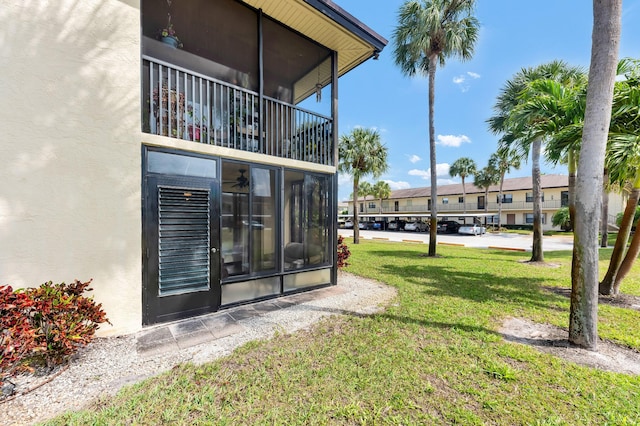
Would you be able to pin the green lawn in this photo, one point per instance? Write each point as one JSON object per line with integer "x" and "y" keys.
{"x": 434, "y": 357}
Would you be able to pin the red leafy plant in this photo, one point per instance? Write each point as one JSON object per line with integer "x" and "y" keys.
{"x": 343, "y": 253}
{"x": 44, "y": 326}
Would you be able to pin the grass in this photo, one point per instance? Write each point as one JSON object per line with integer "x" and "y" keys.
{"x": 434, "y": 357}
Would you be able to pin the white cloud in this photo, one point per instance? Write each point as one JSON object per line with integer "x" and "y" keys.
{"x": 446, "y": 181}
{"x": 453, "y": 140}
{"x": 424, "y": 174}
{"x": 414, "y": 158}
{"x": 441, "y": 170}
{"x": 343, "y": 179}
{"x": 398, "y": 185}
{"x": 461, "y": 80}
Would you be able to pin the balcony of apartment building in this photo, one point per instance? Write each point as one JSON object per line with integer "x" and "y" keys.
{"x": 478, "y": 206}
{"x": 235, "y": 79}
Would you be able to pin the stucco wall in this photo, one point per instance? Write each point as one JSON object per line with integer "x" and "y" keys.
{"x": 70, "y": 152}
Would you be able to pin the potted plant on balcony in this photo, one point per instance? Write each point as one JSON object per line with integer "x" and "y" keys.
{"x": 168, "y": 34}
{"x": 196, "y": 124}
{"x": 168, "y": 110}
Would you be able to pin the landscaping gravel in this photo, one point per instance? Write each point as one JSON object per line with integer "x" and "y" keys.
{"x": 108, "y": 364}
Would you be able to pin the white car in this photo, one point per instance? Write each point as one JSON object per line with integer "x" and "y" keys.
{"x": 417, "y": 226}
{"x": 474, "y": 229}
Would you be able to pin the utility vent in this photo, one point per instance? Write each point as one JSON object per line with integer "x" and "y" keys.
{"x": 183, "y": 240}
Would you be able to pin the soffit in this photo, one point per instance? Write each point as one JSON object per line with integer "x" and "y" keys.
{"x": 318, "y": 26}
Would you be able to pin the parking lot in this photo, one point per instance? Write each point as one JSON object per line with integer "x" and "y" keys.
{"x": 506, "y": 241}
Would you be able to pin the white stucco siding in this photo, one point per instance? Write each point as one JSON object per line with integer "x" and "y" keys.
{"x": 70, "y": 190}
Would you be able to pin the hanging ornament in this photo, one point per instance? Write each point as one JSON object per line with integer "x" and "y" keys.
{"x": 318, "y": 92}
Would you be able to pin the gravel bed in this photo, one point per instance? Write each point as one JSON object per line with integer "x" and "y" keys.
{"x": 107, "y": 364}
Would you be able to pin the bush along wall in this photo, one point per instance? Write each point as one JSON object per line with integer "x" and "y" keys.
{"x": 42, "y": 327}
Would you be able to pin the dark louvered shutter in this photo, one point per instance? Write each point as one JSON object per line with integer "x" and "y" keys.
{"x": 183, "y": 240}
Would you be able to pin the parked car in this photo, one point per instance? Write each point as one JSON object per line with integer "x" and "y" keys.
{"x": 396, "y": 225}
{"x": 348, "y": 224}
{"x": 474, "y": 229}
{"x": 448, "y": 226}
{"x": 417, "y": 226}
{"x": 365, "y": 225}
{"x": 376, "y": 226}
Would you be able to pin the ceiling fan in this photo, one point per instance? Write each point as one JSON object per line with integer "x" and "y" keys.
{"x": 241, "y": 181}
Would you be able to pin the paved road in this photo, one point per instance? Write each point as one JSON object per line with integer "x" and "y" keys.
{"x": 501, "y": 240}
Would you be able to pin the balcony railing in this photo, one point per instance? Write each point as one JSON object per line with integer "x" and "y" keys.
{"x": 473, "y": 207}
{"x": 187, "y": 105}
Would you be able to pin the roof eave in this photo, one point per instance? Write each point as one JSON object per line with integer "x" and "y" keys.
{"x": 348, "y": 21}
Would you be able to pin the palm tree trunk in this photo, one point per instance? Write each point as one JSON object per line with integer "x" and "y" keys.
{"x": 433, "y": 230}
{"x": 604, "y": 221}
{"x": 464, "y": 197}
{"x": 537, "y": 254}
{"x": 607, "y": 285}
{"x": 356, "y": 222}
{"x": 583, "y": 315}
{"x": 627, "y": 262}
{"x": 573, "y": 166}
{"x": 486, "y": 200}
{"x": 500, "y": 202}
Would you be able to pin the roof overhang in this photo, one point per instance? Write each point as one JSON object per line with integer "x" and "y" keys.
{"x": 328, "y": 24}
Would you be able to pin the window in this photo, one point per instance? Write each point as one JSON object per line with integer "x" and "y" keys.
{"x": 249, "y": 228}
{"x": 529, "y": 197}
{"x": 461, "y": 200}
{"x": 372, "y": 205}
{"x": 306, "y": 221}
{"x": 396, "y": 206}
{"x": 445, "y": 201}
{"x": 492, "y": 219}
{"x": 506, "y": 198}
{"x": 564, "y": 199}
{"x": 528, "y": 218}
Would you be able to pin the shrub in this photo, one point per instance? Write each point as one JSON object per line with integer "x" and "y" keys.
{"x": 343, "y": 253}
{"x": 562, "y": 219}
{"x": 17, "y": 336}
{"x": 45, "y": 325}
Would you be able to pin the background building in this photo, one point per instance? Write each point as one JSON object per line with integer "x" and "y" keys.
{"x": 517, "y": 202}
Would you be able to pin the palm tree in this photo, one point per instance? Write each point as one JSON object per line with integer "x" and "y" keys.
{"x": 463, "y": 167}
{"x": 361, "y": 153}
{"x": 623, "y": 161}
{"x": 583, "y": 313}
{"x": 483, "y": 179}
{"x": 364, "y": 190}
{"x": 562, "y": 219}
{"x": 428, "y": 33}
{"x": 503, "y": 161}
{"x": 623, "y": 167}
{"x": 525, "y": 134}
{"x": 381, "y": 190}
{"x": 560, "y": 108}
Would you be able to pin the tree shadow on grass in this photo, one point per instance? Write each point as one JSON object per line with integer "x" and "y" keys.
{"x": 478, "y": 287}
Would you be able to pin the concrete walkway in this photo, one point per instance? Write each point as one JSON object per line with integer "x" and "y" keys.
{"x": 190, "y": 332}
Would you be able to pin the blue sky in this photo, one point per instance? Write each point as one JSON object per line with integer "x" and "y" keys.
{"x": 514, "y": 34}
